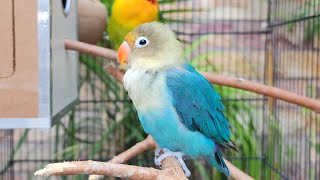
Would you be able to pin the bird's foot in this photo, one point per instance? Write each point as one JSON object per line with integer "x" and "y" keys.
{"x": 167, "y": 153}
{"x": 157, "y": 153}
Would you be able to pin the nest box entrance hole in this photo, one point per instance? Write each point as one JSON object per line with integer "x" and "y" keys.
{"x": 66, "y": 6}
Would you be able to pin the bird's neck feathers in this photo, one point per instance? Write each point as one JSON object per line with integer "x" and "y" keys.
{"x": 154, "y": 64}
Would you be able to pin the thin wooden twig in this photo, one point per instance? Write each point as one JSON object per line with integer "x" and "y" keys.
{"x": 139, "y": 148}
{"x": 115, "y": 72}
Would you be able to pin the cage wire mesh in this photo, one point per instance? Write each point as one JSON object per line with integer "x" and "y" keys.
{"x": 275, "y": 42}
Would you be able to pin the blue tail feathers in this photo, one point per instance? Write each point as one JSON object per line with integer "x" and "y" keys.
{"x": 217, "y": 161}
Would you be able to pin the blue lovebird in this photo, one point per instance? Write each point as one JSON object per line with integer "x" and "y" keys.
{"x": 176, "y": 105}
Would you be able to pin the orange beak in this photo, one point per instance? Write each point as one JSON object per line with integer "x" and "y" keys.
{"x": 123, "y": 53}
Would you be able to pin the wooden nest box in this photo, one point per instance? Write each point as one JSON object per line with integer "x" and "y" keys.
{"x": 38, "y": 77}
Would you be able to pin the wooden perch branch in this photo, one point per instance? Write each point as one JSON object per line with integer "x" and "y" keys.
{"x": 171, "y": 172}
{"x": 171, "y": 167}
{"x": 139, "y": 148}
{"x": 236, "y": 173}
{"x": 149, "y": 144}
{"x": 239, "y": 83}
{"x": 170, "y": 163}
{"x": 101, "y": 168}
{"x": 264, "y": 90}
{"x": 86, "y": 48}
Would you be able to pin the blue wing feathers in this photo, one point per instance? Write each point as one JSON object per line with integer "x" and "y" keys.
{"x": 198, "y": 105}
{"x": 208, "y": 85}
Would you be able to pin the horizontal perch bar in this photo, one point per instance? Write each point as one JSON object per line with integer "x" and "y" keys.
{"x": 90, "y": 49}
{"x": 264, "y": 90}
{"x": 216, "y": 79}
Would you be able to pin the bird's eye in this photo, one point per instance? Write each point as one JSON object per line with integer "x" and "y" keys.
{"x": 141, "y": 42}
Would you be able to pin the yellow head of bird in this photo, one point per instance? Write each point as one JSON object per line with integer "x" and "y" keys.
{"x": 132, "y": 13}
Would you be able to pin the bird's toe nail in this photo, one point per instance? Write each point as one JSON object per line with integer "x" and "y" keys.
{"x": 165, "y": 150}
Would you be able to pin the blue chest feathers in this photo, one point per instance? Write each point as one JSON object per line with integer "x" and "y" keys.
{"x": 149, "y": 94}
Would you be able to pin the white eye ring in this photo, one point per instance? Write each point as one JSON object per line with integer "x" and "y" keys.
{"x": 142, "y": 42}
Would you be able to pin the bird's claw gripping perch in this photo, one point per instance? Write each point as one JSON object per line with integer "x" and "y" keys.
{"x": 158, "y": 158}
{"x": 157, "y": 153}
